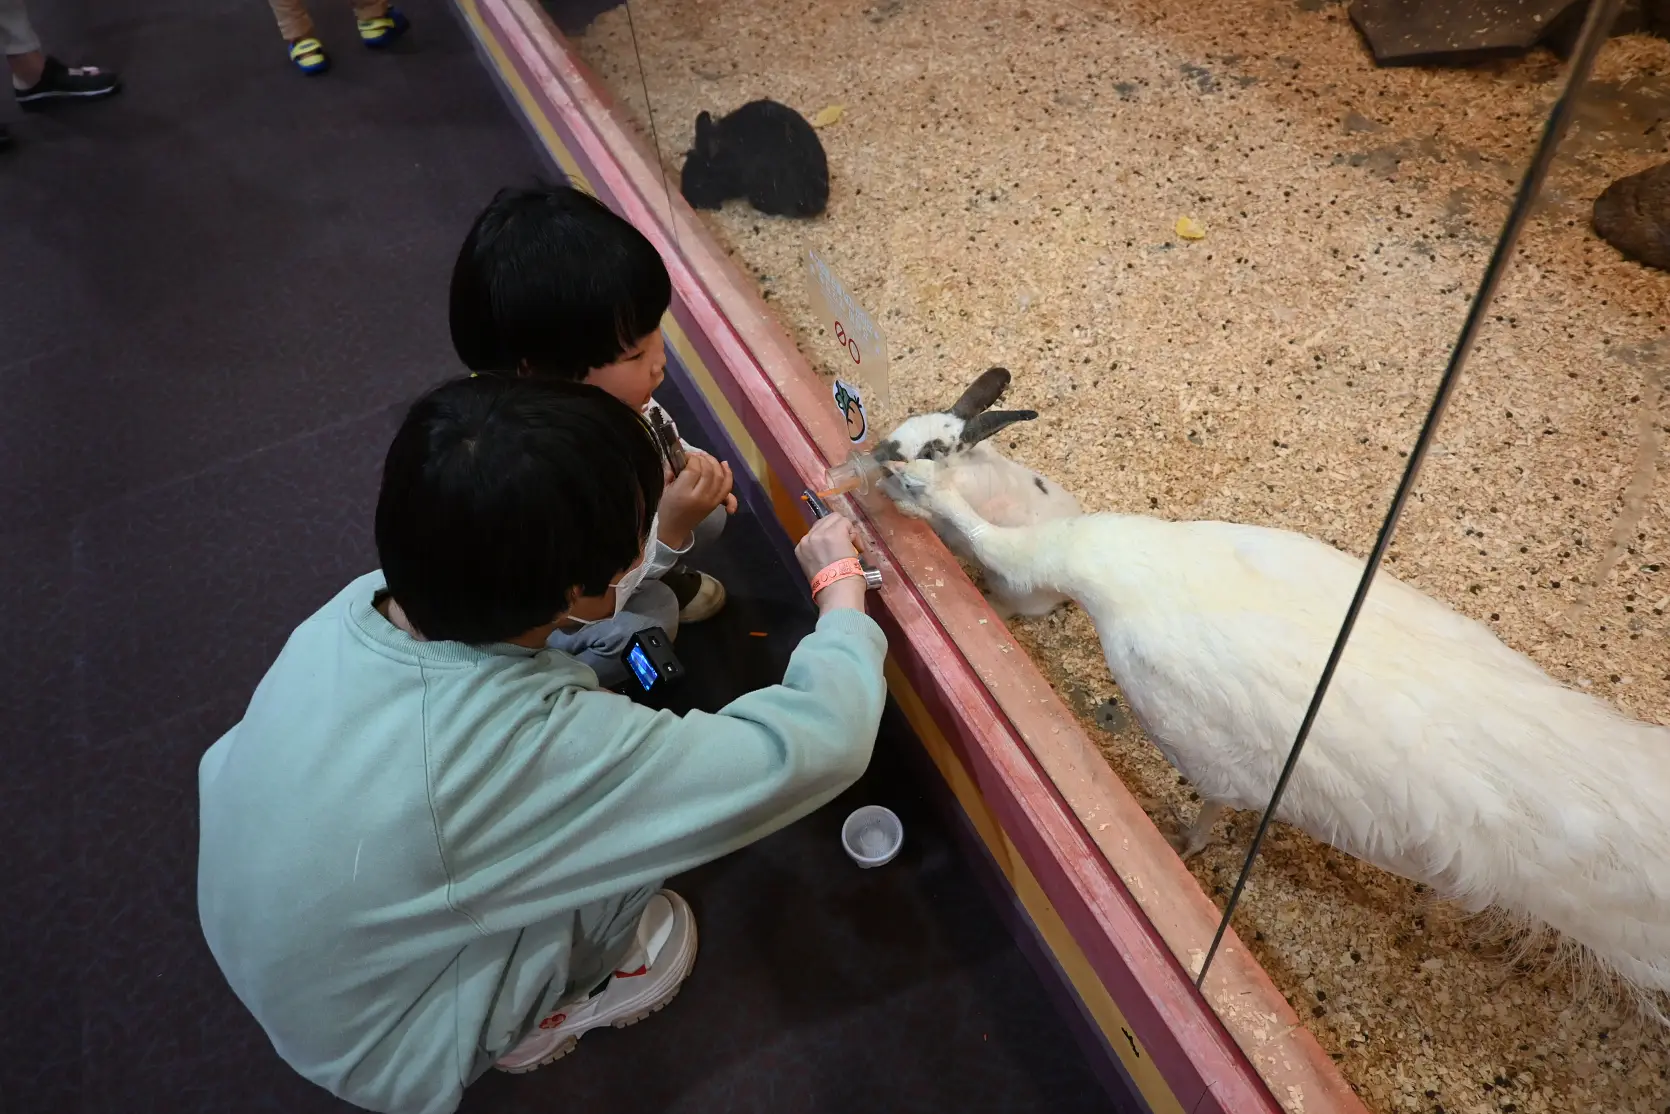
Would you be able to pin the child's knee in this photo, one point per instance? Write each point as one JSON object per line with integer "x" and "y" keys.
{"x": 657, "y": 604}
{"x": 708, "y": 529}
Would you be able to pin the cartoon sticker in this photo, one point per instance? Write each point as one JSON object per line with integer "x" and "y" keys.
{"x": 849, "y": 400}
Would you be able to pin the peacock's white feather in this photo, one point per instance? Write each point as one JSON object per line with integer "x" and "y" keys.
{"x": 1439, "y": 754}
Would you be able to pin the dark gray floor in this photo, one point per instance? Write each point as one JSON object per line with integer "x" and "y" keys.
{"x": 216, "y": 293}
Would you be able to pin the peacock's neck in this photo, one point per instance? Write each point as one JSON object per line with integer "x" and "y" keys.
{"x": 1097, "y": 560}
{"x": 1029, "y": 557}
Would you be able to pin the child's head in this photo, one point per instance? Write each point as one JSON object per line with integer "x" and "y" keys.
{"x": 504, "y": 500}
{"x": 551, "y": 283}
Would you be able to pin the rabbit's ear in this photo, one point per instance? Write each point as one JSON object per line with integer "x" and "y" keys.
{"x": 981, "y": 393}
{"x": 707, "y": 132}
{"x": 982, "y": 426}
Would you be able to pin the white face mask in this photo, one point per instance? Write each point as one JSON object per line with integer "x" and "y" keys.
{"x": 627, "y": 585}
{"x": 624, "y": 587}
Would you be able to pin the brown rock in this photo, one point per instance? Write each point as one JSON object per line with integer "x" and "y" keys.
{"x": 1633, "y": 215}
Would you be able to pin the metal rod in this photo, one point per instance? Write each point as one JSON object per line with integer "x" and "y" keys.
{"x": 649, "y": 111}
{"x": 1595, "y": 28}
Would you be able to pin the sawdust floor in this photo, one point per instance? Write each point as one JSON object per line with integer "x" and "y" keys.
{"x": 1006, "y": 181}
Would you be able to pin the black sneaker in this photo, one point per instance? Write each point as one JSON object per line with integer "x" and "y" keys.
{"x": 61, "y": 82}
{"x": 699, "y": 595}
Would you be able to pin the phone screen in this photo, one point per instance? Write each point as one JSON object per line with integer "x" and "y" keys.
{"x": 642, "y": 668}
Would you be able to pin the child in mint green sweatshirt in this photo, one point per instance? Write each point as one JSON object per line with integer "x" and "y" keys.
{"x": 433, "y": 845}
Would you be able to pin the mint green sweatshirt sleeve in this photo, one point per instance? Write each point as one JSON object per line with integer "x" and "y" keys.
{"x": 655, "y": 794}
{"x": 396, "y": 838}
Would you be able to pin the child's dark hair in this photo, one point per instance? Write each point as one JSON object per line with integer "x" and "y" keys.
{"x": 549, "y": 281}
{"x": 502, "y": 496}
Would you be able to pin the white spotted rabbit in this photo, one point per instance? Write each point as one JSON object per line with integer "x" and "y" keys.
{"x": 1001, "y": 491}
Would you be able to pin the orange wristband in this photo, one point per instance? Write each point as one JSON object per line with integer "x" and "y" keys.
{"x": 840, "y": 570}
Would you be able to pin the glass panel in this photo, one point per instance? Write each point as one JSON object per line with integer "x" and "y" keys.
{"x": 1225, "y": 258}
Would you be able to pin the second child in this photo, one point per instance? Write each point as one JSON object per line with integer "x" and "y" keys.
{"x": 550, "y": 283}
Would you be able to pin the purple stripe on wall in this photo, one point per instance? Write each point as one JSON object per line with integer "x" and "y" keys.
{"x": 1103, "y": 1061}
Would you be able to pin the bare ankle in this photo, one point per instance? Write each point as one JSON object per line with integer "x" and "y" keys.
{"x": 27, "y": 69}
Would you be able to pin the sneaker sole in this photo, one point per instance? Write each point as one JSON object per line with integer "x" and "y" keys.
{"x": 694, "y": 614}
{"x": 89, "y": 95}
{"x": 573, "y": 1042}
{"x": 563, "y": 1049}
{"x": 627, "y": 1022}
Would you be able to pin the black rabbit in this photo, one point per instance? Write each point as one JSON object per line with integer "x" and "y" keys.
{"x": 765, "y": 152}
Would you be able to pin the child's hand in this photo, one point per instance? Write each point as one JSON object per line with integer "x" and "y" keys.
{"x": 829, "y": 540}
{"x": 730, "y": 496}
{"x": 704, "y": 484}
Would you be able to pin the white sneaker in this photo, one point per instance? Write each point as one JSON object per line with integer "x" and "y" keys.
{"x": 707, "y": 602}
{"x": 649, "y": 978}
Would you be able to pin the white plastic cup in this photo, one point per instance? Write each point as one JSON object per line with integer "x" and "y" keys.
{"x": 872, "y": 836}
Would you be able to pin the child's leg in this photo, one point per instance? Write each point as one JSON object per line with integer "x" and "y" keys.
{"x": 700, "y": 596}
{"x": 708, "y": 529}
{"x": 601, "y": 644}
{"x": 604, "y": 932}
{"x": 293, "y": 21}
{"x": 370, "y": 9}
{"x": 629, "y": 956}
{"x": 17, "y": 37}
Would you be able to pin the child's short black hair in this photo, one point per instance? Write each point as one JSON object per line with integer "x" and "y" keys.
{"x": 502, "y": 496}
{"x": 549, "y": 280}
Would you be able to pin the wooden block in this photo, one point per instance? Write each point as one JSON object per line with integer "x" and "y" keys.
{"x": 1461, "y": 32}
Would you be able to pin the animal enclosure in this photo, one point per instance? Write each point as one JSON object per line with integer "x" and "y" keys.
{"x": 1006, "y": 186}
